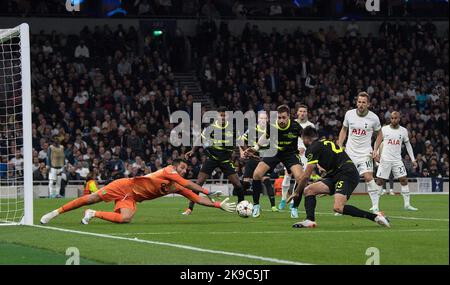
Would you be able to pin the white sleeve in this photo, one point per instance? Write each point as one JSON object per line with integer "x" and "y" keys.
{"x": 345, "y": 123}
{"x": 300, "y": 144}
{"x": 377, "y": 125}
{"x": 405, "y": 136}
{"x": 409, "y": 148}
{"x": 410, "y": 151}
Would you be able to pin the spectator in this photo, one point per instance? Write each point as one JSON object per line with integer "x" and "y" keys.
{"x": 209, "y": 10}
{"x": 116, "y": 167}
{"x": 41, "y": 174}
{"x": 129, "y": 106}
{"x": 81, "y": 50}
{"x": 275, "y": 9}
{"x": 47, "y": 48}
{"x": 352, "y": 29}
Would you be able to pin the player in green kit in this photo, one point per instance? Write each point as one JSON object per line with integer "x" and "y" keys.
{"x": 218, "y": 150}
{"x": 341, "y": 179}
{"x": 288, "y": 131}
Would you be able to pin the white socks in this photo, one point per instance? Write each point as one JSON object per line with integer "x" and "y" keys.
{"x": 373, "y": 190}
{"x": 52, "y": 189}
{"x": 405, "y": 194}
{"x": 285, "y": 186}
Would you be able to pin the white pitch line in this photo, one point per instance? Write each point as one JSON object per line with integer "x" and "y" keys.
{"x": 284, "y": 232}
{"x": 400, "y": 217}
{"x": 187, "y": 247}
{"x": 418, "y": 218}
{"x": 394, "y": 217}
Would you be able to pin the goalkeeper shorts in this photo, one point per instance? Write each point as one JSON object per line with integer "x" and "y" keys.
{"x": 121, "y": 192}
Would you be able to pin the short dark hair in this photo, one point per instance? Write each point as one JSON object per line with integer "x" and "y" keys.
{"x": 178, "y": 161}
{"x": 302, "y": 106}
{"x": 283, "y": 109}
{"x": 364, "y": 94}
{"x": 222, "y": 109}
{"x": 310, "y": 132}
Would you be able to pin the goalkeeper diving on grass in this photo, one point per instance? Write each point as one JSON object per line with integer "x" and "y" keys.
{"x": 126, "y": 192}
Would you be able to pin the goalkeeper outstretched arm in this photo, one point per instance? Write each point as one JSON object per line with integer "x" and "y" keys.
{"x": 224, "y": 205}
{"x": 187, "y": 184}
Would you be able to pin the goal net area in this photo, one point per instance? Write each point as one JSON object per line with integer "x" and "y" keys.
{"x": 16, "y": 189}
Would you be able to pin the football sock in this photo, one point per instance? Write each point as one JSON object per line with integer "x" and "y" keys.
{"x": 75, "y": 204}
{"x": 297, "y": 201}
{"x": 191, "y": 204}
{"x": 285, "y": 186}
{"x": 109, "y": 216}
{"x": 239, "y": 192}
{"x": 405, "y": 194}
{"x": 257, "y": 188}
{"x": 310, "y": 207}
{"x": 270, "y": 192}
{"x": 245, "y": 185}
{"x": 373, "y": 190}
{"x": 355, "y": 212}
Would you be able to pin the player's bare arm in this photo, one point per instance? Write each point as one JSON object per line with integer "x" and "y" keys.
{"x": 303, "y": 181}
{"x": 342, "y": 136}
{"x": 379, "y": 140}
{"x": 191, "y": 152}
{"x": 410, "y": 152}
{"x": 252, "y": 151}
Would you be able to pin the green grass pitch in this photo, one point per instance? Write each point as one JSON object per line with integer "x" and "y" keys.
{"x": 217, "y": 237}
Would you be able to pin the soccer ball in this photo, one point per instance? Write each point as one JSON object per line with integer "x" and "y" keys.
{"x": 244, "y": 209}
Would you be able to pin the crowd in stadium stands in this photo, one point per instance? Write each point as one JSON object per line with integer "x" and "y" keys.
{"x": 403, "y": 68}
{"x": 109, "y": 106}
{"x": 240, "y": 9}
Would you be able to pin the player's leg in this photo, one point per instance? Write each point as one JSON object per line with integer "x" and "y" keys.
{"x": 123, "y": 214}
{"x": 285, "y": 185}
{"x": 344, "y": 186}
{"x": 383, "y": 172}
{"x": 249, "y": 168}
{"x": 201, "y": 179}
{"x": 340, "y": 206}
{"x": 310, "y": 192}
{"x": 58, "y": 183}
{"x": 234, "y": 179}
{"x": 262, "y": 168}
{"x": 52, "y": 177}
{"x": 399, "y": 172}
{"x": 270, "y": 192}
{"x": 405, "y": 194}
{"x": 390, "y": 189}
{"x": 297, "y": 172}
{"x": 372, "y": 189}
{"x": 72, "y": 205}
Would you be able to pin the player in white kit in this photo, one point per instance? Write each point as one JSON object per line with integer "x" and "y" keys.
{"x": 302, "y": 119}
{"x": 361, "y": 124}
{"x": 388, "y": 151}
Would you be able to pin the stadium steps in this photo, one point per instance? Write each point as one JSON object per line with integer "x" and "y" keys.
{"x": 193, "y": 86}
